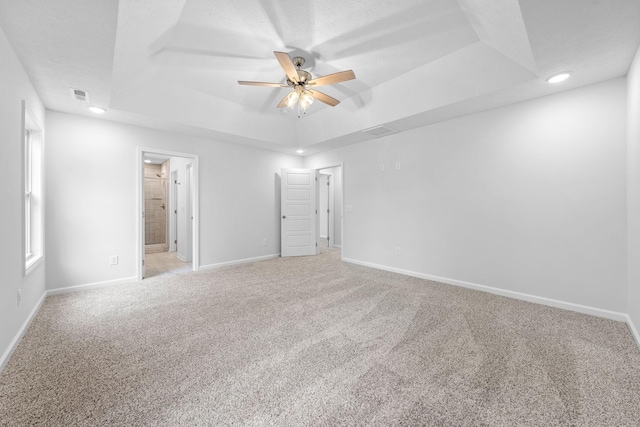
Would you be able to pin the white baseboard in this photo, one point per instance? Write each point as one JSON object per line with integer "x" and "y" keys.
{"x": 337, "y": 246}
{"x": 613, "y": 315}
{"x": 16, "y": 340}
{"x": 322, "y": 237}
{"x": 239, "y": 261}
{"x": 78, "y": 288}
{"x": 633, "y": 330}
{"x": 181, "y": 257}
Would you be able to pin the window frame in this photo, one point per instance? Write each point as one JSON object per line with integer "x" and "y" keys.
{"x": 33, "y": 194}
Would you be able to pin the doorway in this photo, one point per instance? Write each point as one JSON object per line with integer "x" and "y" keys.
{"x": 311, "y": 207}
{"x": 168, "y": 212}
{"x": 330, "y": 206}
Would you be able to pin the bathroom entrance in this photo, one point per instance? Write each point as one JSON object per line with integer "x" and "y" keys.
{"x": 168, "y": 213}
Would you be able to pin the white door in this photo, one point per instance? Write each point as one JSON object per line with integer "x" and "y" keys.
{"x": 173, "y": 222}
{"x": 299, "y": 212}
{"x": 189, "y": 204}
{"x": 143, "y": 223}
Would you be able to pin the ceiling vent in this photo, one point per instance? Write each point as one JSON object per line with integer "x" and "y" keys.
{"x": 80, "y": 95}
{"x": 378, "y": 131}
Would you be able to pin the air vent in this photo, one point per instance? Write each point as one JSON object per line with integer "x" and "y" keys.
{"x": 379, "y": 131}
{"x": 80, "y": 95}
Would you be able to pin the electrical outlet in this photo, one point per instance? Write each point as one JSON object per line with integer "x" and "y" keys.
{"x": 398, "y": 252}
{"x": 348, "y": 208}
{"x": 19, "y": 296}
{"x": 381, "y": 168}
{"x": 113, "y": 260}
{"x": 265, "y": 242}
{"x": 398, "y": 166}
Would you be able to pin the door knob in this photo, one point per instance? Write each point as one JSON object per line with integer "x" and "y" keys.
{"x": 284, "y": 216}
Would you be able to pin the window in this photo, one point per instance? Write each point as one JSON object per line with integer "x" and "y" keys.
{"x": 28, "y": 160}
{"x": 33, "y": 195}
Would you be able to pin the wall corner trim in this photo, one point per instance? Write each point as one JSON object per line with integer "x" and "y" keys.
{"x": 16, "y": 340}
{"x": 598, "y": 312}
{"x": 238, "y": 261}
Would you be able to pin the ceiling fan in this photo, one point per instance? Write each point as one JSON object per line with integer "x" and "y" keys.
{"x": 303, "y": 84}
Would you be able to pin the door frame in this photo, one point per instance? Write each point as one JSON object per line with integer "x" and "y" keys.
{"x": 173, "y": 221}
{"x": 318, "y": 168}
{"x": 140, "y": 224}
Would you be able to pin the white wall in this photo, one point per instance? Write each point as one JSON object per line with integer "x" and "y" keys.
{"x": 528, "y": 198}
{"x": 91, "y": 207}
{"x": 633, "y": 193}
{"x": 14, "y": 88}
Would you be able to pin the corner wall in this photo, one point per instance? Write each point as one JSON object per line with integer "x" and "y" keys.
{"x": 91, "y": 208}
{"x": 633, "y": 194}
{"x": 15, "y": 87}
{"x": 528, "y": 199}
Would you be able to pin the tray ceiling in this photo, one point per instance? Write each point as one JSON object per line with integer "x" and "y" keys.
{"x": 174, "y": 65}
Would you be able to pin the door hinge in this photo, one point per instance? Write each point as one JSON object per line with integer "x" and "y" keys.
{"x": 327, "y": 210}
{"x": 175, "y": 242}
{"x": 328, "y": 238}
{"x": 316, "y": 244}
{"x": 316, "y": 211}
{"x": 327, "y": 182}
{"x": 175, "y": 211}
{"x": 142, "y": 262}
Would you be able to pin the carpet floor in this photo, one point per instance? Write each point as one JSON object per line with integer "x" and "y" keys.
{"x": 315, "y": 341}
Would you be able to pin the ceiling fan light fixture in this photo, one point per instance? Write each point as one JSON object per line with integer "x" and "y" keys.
{"x": 301, "y": 81}
{"x": 292, "y": 98}
{"x": 305, "y": 101}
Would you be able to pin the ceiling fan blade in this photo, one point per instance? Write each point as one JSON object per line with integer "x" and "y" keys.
{"x": 323, "y": 97}
{"x": 262, "y": 84}
{"x": 330, "y": 79}
{"x": 283, "y": 103}
{"x": 287, "y": 65}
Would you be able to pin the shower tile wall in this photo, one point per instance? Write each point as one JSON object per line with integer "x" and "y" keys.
{"x": 156, "y": 203}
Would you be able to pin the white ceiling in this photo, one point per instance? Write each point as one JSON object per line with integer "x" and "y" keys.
{"x": 174, "y": 64}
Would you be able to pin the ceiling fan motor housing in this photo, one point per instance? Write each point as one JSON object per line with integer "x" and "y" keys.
{"x": 303, "y": 76}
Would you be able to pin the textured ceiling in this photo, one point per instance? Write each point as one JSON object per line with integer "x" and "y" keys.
{"x": 174, "y": 64}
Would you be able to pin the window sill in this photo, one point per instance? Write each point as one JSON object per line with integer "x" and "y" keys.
{"x": 32, "y": 262}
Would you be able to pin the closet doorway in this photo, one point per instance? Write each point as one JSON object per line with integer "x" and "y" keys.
{"x": 330, "y": 206}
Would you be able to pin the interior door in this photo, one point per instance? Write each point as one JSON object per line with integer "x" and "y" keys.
{"x": 299, "y": 212}
{"x": 173, "y": 219}
{"x": 143, "y": 220}
{"x": 189, "y": 204}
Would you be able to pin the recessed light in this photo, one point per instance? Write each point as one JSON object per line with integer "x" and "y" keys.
{"x": 557, "y": 78}
{"x": 97, "y": 110}
{"x": 299, "y": 151}
{"x": 147, "y": 161}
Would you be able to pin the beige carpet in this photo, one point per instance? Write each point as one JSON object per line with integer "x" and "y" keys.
{"x": 314, "y": 341}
